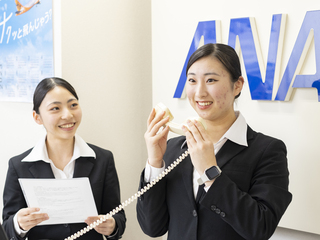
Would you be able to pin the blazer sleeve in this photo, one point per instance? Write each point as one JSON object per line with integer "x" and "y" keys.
{"x": 13, "y": 201}
{"x": 152, "y": 214}
{"x": 152, "y": 207}
{"x": 254, "y": 212}
{"x": 111, "y": 197}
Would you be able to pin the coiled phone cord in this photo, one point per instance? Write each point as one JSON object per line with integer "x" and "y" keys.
{"x": 131, "y": 199}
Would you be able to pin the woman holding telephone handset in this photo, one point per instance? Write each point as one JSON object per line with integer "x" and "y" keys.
{"x": 61, "y": 154}
{"x": 234, "y": 183}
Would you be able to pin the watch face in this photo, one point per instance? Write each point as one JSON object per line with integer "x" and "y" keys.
{"x": 213, "y": 172}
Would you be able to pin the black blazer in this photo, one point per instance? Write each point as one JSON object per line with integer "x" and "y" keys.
{"x": 104, "y": 183}
{"x": 245, "y": 202}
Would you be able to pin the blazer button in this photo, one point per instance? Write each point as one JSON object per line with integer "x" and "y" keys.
{"x": 65, "y": 225}
{"x": 222, "y": 214}
{"x": 213, "y": 207}
{"x": 218, "y": 211}
{"x": 194, "y": 213}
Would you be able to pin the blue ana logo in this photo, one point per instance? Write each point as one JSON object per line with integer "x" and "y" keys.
{"x": 243, "y": 35}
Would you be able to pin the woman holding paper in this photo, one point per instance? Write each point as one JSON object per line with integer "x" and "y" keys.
{"x": 61, "y": 154}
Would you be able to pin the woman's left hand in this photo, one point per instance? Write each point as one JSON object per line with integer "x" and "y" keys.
{"x": 106, "y": 227}
{"x": 200, "y": 146}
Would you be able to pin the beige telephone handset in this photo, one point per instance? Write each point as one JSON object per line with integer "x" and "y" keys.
{"x": 174, "y": 127}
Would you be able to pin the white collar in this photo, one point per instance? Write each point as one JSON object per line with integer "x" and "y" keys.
{"x": 39, "y": 152}
{"x": 237, "y": 133}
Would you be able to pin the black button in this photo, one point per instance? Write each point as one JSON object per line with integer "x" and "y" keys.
{"x": 218, "y": 211}
{"x": 222, "y": 214}
{"x": 194, "y": 213}
{"x": 213, "y": 207}
{"x": 65, "y": 225}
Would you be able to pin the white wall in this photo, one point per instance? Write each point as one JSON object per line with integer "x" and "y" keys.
{"x": 295, "y": 122}
{"x": 106, "y": 54}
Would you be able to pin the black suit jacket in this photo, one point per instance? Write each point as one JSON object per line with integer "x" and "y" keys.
{"x": 104, "y": 183}
{"x": 245, "y": 202}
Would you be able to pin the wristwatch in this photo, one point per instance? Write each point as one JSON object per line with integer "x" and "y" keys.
{"x": 209, "y": 174}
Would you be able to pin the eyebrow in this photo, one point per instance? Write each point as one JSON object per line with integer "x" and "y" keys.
{"x": 206, "y": 74}
{"x": 56, "y": 102}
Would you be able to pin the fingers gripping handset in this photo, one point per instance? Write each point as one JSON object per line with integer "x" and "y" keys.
{"x": 174, "y": 127}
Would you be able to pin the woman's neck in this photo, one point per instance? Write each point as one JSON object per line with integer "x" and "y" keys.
{"x": 60, "y": 151}
{"x": 217, "y": 128}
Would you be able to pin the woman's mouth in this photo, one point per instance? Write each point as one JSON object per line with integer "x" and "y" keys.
{"x": 204, "y": 104}
{"x": 67, "y": 126}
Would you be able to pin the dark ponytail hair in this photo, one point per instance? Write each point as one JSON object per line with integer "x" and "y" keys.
{"x": 224, "y": 53}
{"x": 45, "y": 86}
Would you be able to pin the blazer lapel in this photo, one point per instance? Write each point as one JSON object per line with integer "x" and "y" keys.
{"x": 227, "y": 152}
{"x": 187, "y": 174}
{"x": 83, "y": 167}
{"x": 231, "y": 149}
{"x": 41, "y": 169}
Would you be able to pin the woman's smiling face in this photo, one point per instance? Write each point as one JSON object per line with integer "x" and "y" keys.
{"x": 210, "y": 90}
{"x": 60, "y": 114}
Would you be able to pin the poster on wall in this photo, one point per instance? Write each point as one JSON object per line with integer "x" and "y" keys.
{"x": 26, "y": 47}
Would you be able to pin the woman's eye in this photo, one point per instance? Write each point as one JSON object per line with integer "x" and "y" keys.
{"x": 54, "y": 109}
{"x": 191, "y": 80}
{"x": 211, "y": 80}
{"x": 74, "y": 105}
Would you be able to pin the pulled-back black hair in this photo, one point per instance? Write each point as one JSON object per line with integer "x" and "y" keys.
{"x": 45, "y": 86}
{"x": 224, "y": 53}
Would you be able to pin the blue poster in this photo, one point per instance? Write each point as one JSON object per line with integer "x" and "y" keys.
{"x": 26, "y": 47}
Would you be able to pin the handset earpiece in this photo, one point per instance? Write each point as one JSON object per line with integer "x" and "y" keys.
{"x": 175, "y": 127}
{"x": 161, "y": 107}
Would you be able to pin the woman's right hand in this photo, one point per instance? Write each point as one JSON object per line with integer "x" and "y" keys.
{"x": 156, "y": 140}
{"x": 28, "y": 218}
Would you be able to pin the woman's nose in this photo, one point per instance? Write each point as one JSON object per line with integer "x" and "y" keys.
{"x": 66, "y": 114}
{"x": 201, "y": 90}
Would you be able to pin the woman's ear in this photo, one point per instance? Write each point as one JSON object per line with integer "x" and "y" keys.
{"x": 238, "y": 85}
{"x": 37, "y": 117}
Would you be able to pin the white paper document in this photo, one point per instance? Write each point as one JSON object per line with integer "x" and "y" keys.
{"x": 64, "y": 200}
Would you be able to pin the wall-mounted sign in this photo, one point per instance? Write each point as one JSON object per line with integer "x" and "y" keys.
{"x": 26, "y": 47}
{"x": 243, "y": 37}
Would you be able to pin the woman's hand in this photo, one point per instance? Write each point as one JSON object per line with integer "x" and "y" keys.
{"x": 28, "y": 218}
{"x": 106, "y": 227}
{"x": 156, "y": 140}
{"x": 200, "y": 147}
